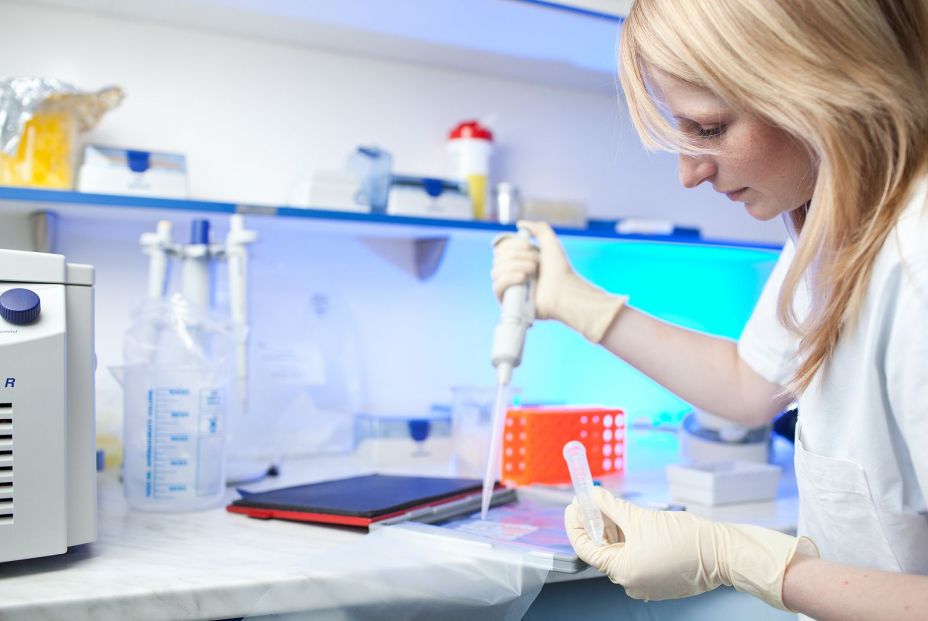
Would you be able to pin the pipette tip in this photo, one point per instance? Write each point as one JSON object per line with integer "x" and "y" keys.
{"x": 503, "y": 373}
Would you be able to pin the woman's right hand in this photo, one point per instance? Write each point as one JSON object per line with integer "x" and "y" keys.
{"x": 515, "y": 259}
{"x": 559, "y": 292}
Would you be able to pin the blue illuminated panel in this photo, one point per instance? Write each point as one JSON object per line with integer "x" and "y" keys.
{"x": 708, "y": 288}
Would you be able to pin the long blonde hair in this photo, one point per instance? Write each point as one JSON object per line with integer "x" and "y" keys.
{"x": 848, "y": 79}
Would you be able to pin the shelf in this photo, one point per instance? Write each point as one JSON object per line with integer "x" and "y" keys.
{"x": 29, "y": 200}
{"x": 429, "y": 235}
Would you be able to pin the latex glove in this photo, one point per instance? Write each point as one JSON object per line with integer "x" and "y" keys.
{"x": 559, "y": 292}
{"x": 670, "y": 554}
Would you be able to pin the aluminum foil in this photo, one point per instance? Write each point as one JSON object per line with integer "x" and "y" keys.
{"x": 21, "y": 98}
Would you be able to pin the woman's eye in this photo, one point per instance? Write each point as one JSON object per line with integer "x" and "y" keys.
{"x": 710, "y": 132}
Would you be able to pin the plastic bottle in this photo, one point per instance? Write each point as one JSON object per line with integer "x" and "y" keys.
{"x": 470, "y": 147}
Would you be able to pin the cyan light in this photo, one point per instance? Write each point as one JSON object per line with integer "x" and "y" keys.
{"x": 712, "y": 289}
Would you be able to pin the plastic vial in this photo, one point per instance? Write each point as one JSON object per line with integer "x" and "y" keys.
{"x": 575, "y": 456}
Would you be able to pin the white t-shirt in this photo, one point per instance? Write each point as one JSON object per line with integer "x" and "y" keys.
{"x": 862, "y": 443}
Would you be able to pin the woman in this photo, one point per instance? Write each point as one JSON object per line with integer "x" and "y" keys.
{"x": 816, "y": 112}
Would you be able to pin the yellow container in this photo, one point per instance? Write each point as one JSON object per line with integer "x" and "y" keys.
{"x": 46, "y": 153}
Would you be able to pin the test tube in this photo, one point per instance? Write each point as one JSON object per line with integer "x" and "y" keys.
{"x": 575, "y": 456}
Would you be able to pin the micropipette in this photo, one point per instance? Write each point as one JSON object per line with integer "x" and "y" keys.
{"x": 575, "y": 456}
{"x": 517, "y": 312}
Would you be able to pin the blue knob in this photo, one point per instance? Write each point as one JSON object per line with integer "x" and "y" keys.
{"x": 20, "y": 306}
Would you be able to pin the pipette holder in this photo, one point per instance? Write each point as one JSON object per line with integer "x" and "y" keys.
{"x": 198, "y": 260}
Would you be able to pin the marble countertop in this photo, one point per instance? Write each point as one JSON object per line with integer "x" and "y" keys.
{"x": 213, "y": 564}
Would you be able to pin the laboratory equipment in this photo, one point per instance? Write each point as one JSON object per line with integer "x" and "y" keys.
{"x": 175, "y": 385}
{"x": 368, "y": 500}
{"x": 306, "y": 380}
{"x": 705, "y": 437}
{"x": 508, "y": 207}
{"x": 533, "y": 523}
{"x": 47, "y": 449}
{"x": 197, "y": 281}
{"x": 404, "y": 440}
{"x": 427, "y": 197}
{"x": 332, "y": 190}
{"x": 575, "y": 456}
{"x": 723, "y": 482}
{"x": 532, "y": 433}
{"x": 470, "y": 147}
{"x": 198, "y": 259}
{"x": 41, "y": 121}
{"x": 471, "y": 420}
{"x": 517, "y": 312}
{"x": 110, "y": 170}
{"x": 372, "y": 166}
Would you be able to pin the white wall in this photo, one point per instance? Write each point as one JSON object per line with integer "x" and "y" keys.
{"x": 255, "y": 117}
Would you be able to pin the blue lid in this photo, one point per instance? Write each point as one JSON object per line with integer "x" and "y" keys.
{"x": 20, "y": 306}
{"x": 419, "y": 429}
{"x": 433, "y": 187}
{"x": 199, "y": 232}
{"x": 139, "y": 161}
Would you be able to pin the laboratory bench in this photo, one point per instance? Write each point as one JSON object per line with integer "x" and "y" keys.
{"x": 217, "y": 565}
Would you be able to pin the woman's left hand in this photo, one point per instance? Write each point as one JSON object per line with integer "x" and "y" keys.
{"x": 670, "y": 554}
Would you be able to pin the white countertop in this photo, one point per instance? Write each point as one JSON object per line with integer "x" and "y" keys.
{"x": 213, "y": 564}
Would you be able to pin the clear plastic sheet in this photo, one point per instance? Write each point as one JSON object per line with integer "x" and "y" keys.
{"x": 20, "y": 98}
{"x": 402, "y": 575}
{"x": 175, "y": 333}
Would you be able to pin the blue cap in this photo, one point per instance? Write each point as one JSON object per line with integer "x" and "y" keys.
{"x": 139, "y": 161}
{"x": 199, "y": 232}
{"x": 419, "y": 429}
{"x": 20, "y": 306}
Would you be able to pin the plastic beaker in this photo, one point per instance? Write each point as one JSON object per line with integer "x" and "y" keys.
{"x": 173, "y": 438}
{"x": 471, "y": 419}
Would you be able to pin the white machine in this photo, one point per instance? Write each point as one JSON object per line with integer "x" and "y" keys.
{"x": 708, "y": 438}
{"x": 48, "y": 490}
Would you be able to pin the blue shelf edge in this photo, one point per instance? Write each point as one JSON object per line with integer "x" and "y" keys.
{"x": 600, "y": 229}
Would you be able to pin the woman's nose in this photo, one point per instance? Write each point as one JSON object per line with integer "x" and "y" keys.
{"x": 695, "y": 170}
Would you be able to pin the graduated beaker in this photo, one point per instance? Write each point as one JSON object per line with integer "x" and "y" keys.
{"x": 173, "y": 437}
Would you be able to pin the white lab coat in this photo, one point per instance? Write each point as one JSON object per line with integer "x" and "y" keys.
{"x": 862, "y": 439}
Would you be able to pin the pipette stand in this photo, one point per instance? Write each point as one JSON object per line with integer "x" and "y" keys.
{"x": 197, "y": 282}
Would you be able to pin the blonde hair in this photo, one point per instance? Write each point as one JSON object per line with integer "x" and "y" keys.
{"x": 848, "y": 79}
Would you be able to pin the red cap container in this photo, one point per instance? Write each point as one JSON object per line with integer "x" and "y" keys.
{"x": 470, "y": 129}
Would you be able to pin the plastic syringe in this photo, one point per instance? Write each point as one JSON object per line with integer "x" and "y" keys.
{"x": 575, "y": 456}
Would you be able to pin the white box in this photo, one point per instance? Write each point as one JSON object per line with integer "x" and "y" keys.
{"x": 428, "y": 198}
{"x": 109, "y": 170}
{"x": 334, "y": 191}
{"x": 725, "y": 482}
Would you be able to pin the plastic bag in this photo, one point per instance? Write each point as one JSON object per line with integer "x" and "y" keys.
{"x": 40, "y": 119}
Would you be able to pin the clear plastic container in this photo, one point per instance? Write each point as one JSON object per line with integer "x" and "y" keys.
{"x": 176, "y": 392}
{"x": 398, "y": 440}
{"x": 174, "y": 427}
{"x": 471, "y": 420}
